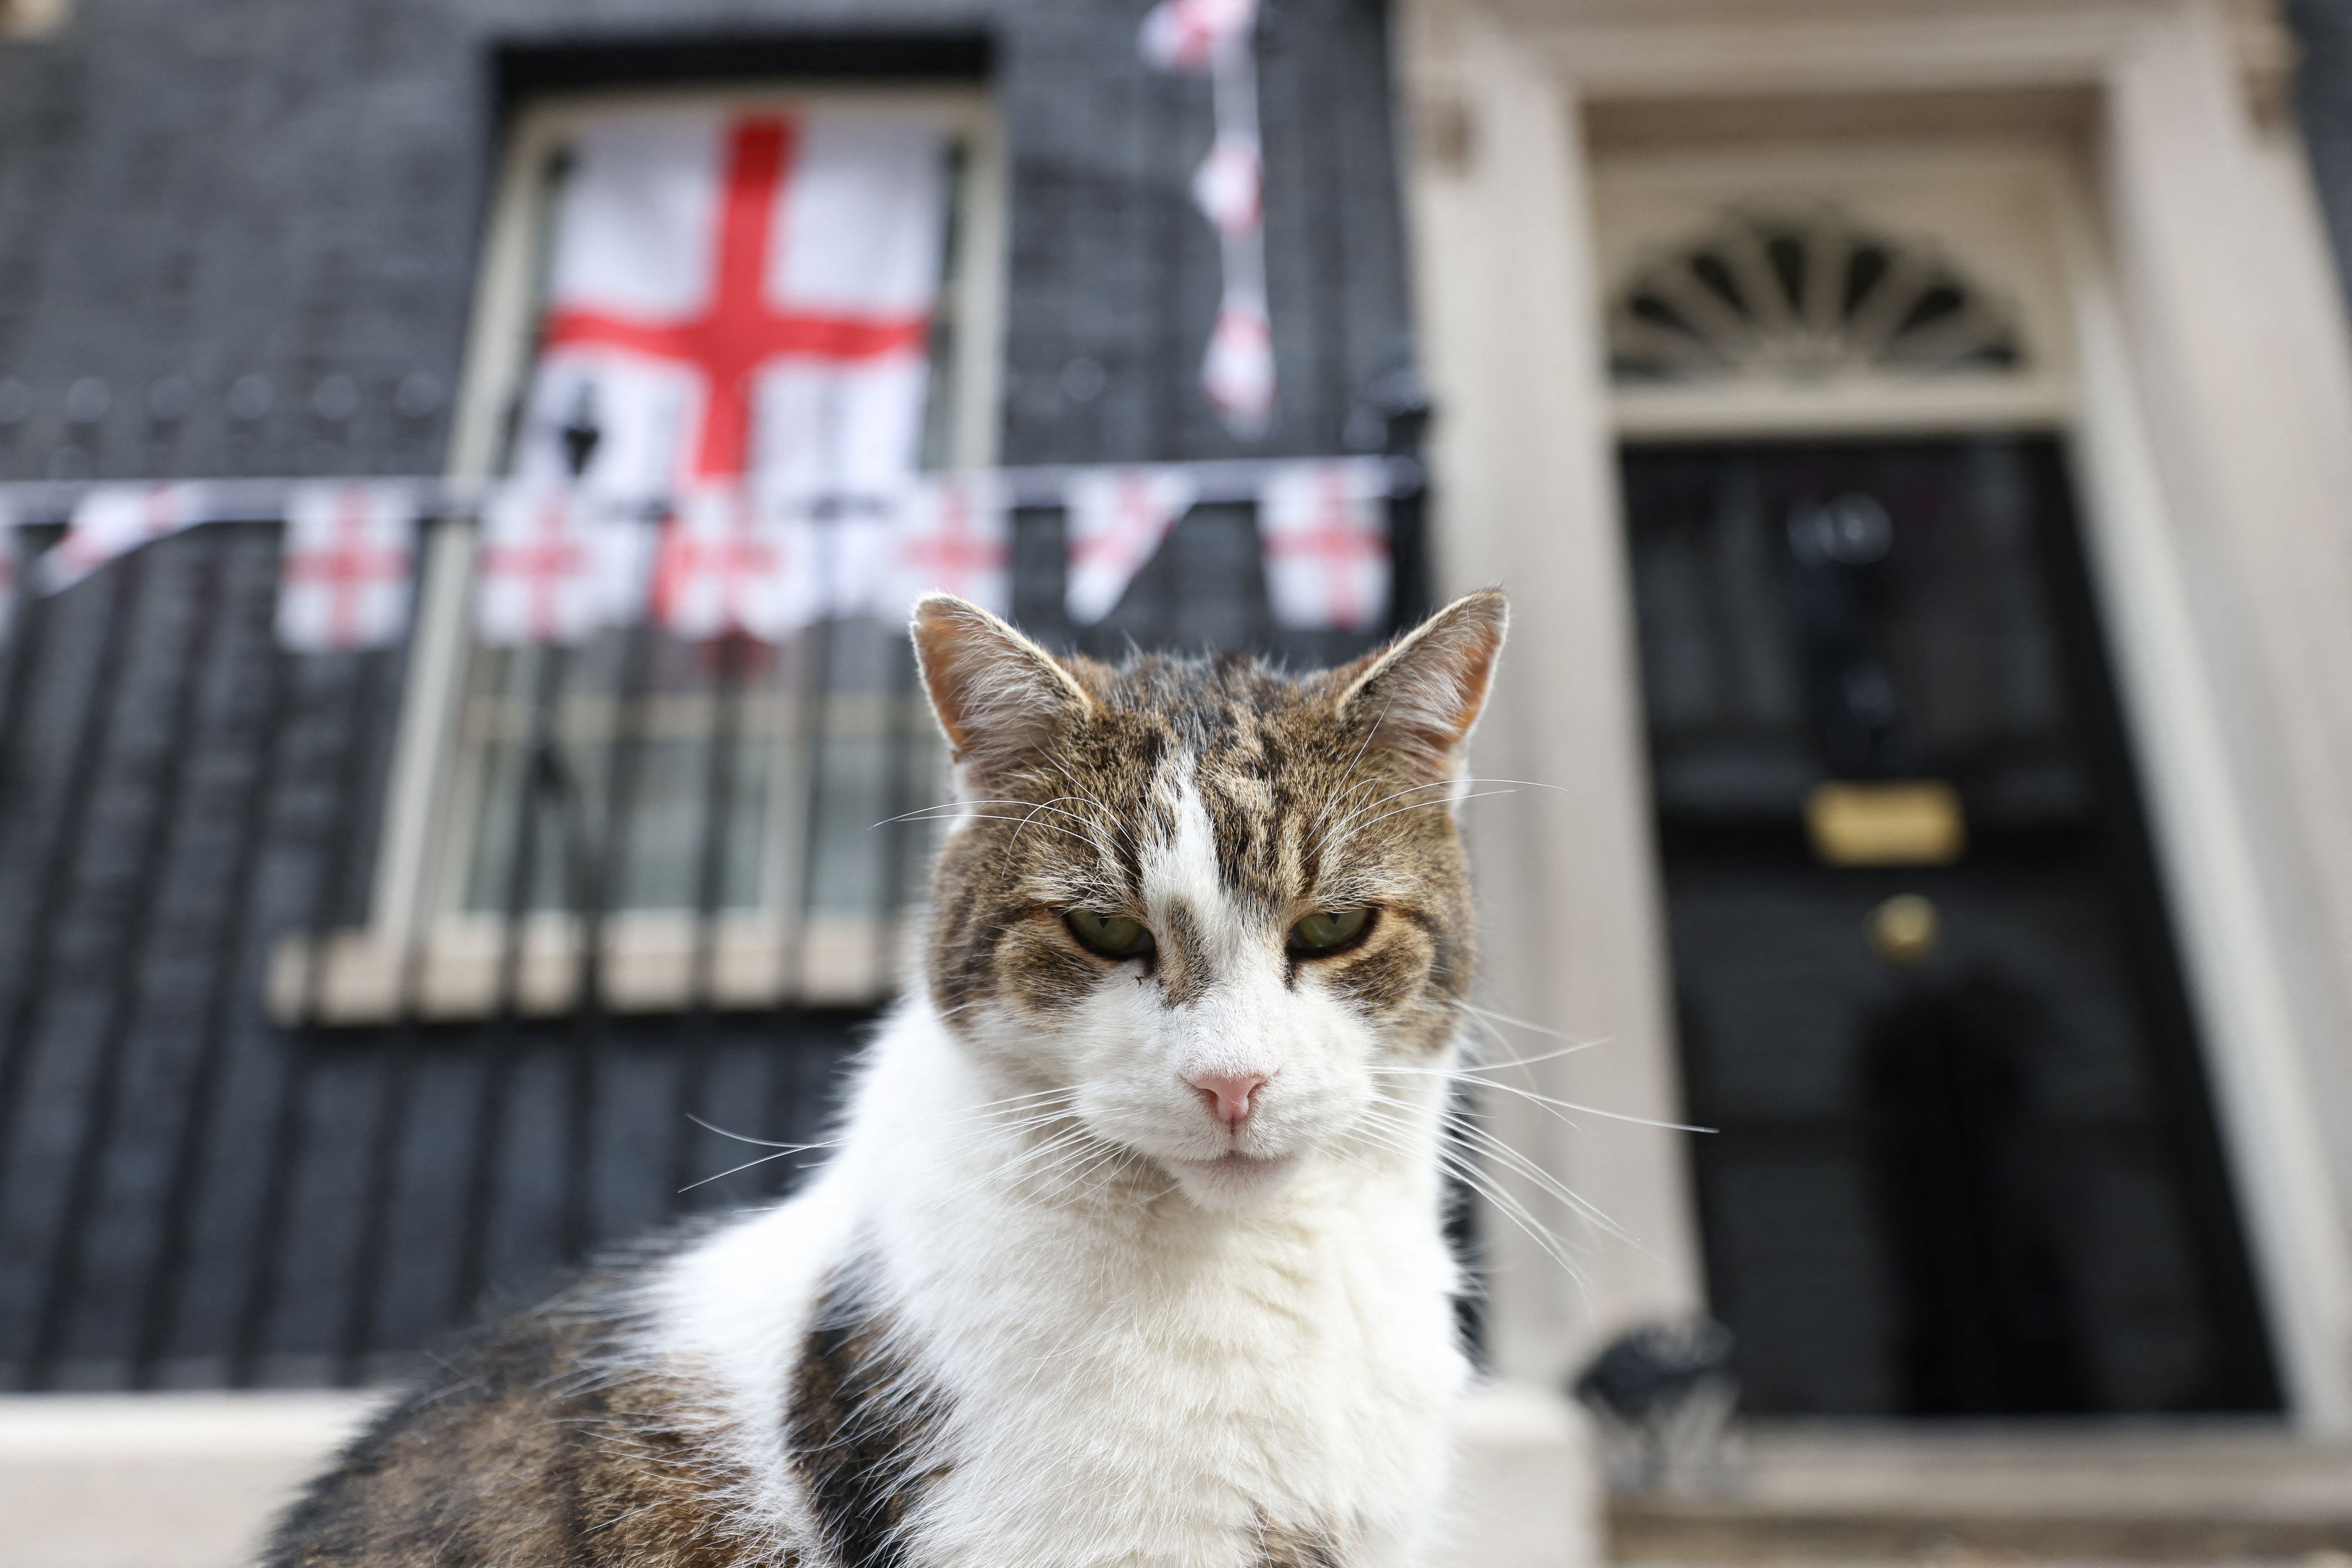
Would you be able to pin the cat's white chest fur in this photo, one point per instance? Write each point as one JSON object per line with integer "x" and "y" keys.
{"x": 1137, "y": 1384}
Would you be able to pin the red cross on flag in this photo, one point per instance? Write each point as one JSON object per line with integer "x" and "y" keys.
{"x": 746, "y": 295}
{"x": 554, "y": 565}
{"x": 954, "y": 536}
{"x": 112, "y": 520}
{"x": 1117, "y": 518}
{"x": 344, "y": 570}
{"x": 1324, "y": 528}
{"x": 732, "y": 563}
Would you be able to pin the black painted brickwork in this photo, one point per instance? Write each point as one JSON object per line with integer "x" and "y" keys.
{"x": 294, "y": 189}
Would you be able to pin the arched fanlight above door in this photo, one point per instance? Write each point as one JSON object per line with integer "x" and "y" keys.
{"x": 1804, "y": 298}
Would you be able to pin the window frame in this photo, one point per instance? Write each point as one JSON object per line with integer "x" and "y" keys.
{"x": 414, "y": 952}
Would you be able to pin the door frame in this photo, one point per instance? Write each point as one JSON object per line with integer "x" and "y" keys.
{"x": 2211, "y": 382}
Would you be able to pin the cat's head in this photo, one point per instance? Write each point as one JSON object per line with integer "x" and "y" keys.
{"x": 1214, "y": 907}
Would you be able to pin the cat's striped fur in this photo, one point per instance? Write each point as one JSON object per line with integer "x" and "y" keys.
{"x": 1050, "y": 1303}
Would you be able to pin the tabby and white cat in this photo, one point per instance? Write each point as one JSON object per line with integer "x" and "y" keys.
{"x": 1130, "y": 1253}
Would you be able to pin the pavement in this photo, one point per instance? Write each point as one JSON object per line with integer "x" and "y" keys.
{"x": 193, "y": 1480}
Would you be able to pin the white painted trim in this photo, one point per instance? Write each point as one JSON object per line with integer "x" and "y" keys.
{"x": 2216, "y": 387}
{"x": 2199, "y": 812}
{"x": 1525, "y": 496}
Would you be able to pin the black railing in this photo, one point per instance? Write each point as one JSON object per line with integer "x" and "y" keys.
{"x": 206, "y": 1178}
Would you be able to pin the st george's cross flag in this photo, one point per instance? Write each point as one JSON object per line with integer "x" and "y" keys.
{"x": 741, "y": 295}
{"x": 1323, "y": 530}
{"x": 953, "y": 535}
{"x": 733, "y": 563}
{"x": 1189, "y": 35}
{"x": 1117, "y": 518}
{"x": 555, "y": 565}
{"x": 345, "y": 566}
{"x": 111, "y": 520}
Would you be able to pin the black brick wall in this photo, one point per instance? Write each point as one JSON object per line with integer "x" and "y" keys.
{"x": 296, "y": 189}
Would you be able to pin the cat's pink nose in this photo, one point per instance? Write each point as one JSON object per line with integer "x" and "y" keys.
{"x": 1230, "y": 1096}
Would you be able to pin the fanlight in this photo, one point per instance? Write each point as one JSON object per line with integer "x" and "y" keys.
{"x": 1784, "y": 298}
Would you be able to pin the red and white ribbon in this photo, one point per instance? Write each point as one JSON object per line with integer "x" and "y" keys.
{"x": 346, "y": 567}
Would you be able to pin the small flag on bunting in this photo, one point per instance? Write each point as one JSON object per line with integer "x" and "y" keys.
{"x": 1188, "y": 34}
{"x": 856, "y": 543}
{"x": 1117, "y": 518}
{"x": 1324, "y": 528}
{"x": 346, "y": 567}
{"x": 112, "y": 520}
{"x": 553, "y": 566}
{"x": 731, "y": 562}
{"x": 954, "y": 536}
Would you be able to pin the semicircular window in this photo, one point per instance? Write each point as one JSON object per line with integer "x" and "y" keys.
{"x": 1784, "y": 298}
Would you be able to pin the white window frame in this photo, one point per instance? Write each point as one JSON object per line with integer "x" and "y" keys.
{"x": 415, "y": 951}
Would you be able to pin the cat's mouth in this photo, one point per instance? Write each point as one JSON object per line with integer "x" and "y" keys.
{"x": 1235, "y": 1175}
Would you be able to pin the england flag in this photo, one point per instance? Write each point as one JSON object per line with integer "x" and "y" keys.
{"x": 1324, "y": 529}
{"x": 1117, "y": 518}
{"x": 555, "y": 565}
{"x": 739, "y": 295}
{"x": 954, "y": 535}
{"x": 734, "y": 563}
{"x": 345, "y": 568}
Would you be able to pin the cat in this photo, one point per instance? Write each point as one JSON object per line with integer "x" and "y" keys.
{"x": 1130, "y": 1251}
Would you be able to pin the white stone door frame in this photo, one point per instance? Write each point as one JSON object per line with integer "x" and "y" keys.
{"x": 2211, "y": 443}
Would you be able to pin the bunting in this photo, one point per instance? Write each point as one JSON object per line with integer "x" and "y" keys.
{"x": 954, "y": 536}
{"x": 555, "y": 565}
{"x": 1214, "y": 37}
{"x": 346, "y": 567}
{"x": 1323, "y": 530}
{"x": 1117, "y": 518}
{"x": 112, "y": 520}
{"x": 734, "y": 563}
{"x": 557, "y": 562}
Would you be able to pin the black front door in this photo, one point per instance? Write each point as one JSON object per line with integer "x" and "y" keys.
{"x": 1926, "y": 988}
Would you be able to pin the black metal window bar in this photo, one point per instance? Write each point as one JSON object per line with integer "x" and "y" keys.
{"x": 197, "y": 1192}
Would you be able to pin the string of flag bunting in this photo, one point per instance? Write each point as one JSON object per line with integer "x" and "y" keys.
{"x": 1214, "y": 37}
{"x": 555, "y": 563}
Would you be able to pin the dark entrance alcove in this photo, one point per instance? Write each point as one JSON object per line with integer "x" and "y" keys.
{"x": 1927, "y": 989}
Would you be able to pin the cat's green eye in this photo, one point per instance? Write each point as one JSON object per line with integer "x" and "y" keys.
{"x": 1329, "y": 930}
{"x": 1112, "y": 935}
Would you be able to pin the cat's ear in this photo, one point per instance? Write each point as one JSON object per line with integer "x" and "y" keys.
{"x": 997, "y": 694}
{"x": 1425, "y": 690}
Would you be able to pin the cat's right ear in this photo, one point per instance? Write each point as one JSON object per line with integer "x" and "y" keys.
{"x": 997, "y": 695}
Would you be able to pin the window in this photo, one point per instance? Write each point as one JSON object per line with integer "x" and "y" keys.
{"x": 670, "y": 822}
{"x": 1796, "y": 291}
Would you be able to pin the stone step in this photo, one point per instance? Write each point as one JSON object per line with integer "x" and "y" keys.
{"x": 2168, "y": 1492}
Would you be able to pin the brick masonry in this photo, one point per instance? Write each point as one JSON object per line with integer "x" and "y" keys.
{"x": 197, "y": 192}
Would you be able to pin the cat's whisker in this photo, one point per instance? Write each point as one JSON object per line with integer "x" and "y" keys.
{"x": 1464, "y": 1126}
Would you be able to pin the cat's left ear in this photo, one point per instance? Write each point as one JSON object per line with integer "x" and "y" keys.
{"x": 1425, "y": 690}
{"x": 997, "y": 694}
